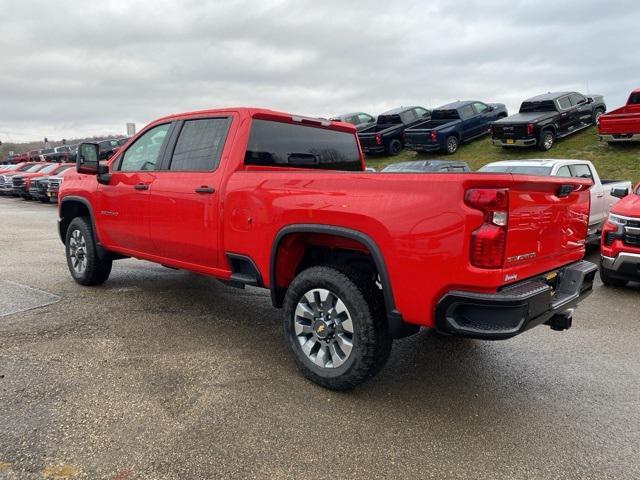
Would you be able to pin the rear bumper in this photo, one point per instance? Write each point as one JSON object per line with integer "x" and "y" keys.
{"x": 631, "y": 137}
{"x": 624, "y": 264}
{"x": 518, "y": 307}
{"x": 427, "y": 147}
{"x": 517, "y": 142}
{"x": 373, "y": 149}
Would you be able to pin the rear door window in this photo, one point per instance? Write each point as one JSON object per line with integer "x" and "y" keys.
{"x": 467, "y": 112}
{"x": 199, "y": 145}
{"x": 408, "y": 116}
{"x": 563, "y": 172}
{"x": 277, "y": 144}
{"x": 582, "y": 170}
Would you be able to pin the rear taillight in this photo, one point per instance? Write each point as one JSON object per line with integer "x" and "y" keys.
{"x": 488, "y": 241}
{"x": 433, "y": 136}
{"x": 530, "y": 129}
{"x": 378, "y": 139}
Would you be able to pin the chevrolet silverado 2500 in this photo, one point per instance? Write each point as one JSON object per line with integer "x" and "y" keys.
{"x": 355, "y": 259}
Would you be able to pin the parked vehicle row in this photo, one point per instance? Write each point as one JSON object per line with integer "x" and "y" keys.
{"x": 34, "y": 180}
{"x": 540, "y": 122}
{"x": 64, "y": 153}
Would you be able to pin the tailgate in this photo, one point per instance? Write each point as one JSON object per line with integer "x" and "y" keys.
{"x": 367, "y": 140}
{"x": 417, "y": 137}
{"x": 620, "y": 123}
{"x": 547, "y": 224}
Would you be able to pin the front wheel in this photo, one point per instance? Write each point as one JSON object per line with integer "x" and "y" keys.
{"x": 597, "y": 114}
{"x": 547, "y": 140}
{"x": 335, "y": 326}
{"x": 85, "y": 266}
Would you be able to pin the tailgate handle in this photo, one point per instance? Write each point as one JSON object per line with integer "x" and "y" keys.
{"x": 564, "y": 190}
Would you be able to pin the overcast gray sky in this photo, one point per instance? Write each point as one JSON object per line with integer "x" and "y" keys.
{"x": 71, "y": 68}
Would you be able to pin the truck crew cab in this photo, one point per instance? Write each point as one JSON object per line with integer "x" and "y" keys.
{"x": 355, "y": 259}
{"x": 546, "y": 118}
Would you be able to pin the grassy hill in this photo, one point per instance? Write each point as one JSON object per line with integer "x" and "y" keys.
{"x": 614, "y": 162}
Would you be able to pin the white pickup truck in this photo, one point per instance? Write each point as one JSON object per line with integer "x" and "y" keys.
{"x": 601, "y": 198}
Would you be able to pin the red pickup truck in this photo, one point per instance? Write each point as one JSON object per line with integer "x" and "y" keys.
{"x": 621, "y": 124}
{"x": 257, "y": 197}
{"x": 620, "y": 241}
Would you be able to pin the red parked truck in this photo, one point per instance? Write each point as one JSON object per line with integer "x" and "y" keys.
{"x": 621, "y": 124}
{"x": 257, "y": 197}
{"x": 620, "y": 242}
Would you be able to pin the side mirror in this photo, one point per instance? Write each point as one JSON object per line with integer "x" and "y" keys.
{"x": 589, "y": 100}
{"x": 491, "y": 108}
{"x": 87, "y": 158}
{"x": 619, "y": 192}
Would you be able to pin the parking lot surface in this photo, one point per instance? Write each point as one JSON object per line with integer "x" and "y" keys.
{"x": 162, "y": 374}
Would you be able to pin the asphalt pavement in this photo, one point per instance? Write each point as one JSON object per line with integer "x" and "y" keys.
{"x": 163, "y": 374}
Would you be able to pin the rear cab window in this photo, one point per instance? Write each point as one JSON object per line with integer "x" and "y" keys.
{"x": 279, "y": 144}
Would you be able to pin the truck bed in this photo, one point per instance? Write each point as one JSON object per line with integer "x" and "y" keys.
{"x": 624, "y": 120}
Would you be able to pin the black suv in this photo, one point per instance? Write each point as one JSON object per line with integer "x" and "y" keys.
{"x": 545, "y": 118}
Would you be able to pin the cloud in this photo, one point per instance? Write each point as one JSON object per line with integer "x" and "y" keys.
{"x": 72, "y": 68}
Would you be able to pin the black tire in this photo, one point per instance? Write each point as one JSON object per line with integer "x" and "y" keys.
{"x": 394, "y": 147}
{"x": 96, "y": 270}
{"x": 547, "y": 140}
{"x": 44, "y": 200}
{"x": 608, "y": 280}
{"x": 371, "y": 340}
{"x": 451, "y": 145}
{"x": 596, "y": 113}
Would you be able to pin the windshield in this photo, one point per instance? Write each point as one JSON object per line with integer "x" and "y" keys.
{"x": 520, "y": 169}
{"x": 543, "y": 106}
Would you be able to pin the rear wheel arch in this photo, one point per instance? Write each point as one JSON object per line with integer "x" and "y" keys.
{"x": 297, "y": 234}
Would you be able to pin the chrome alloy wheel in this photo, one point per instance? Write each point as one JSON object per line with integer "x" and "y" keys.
{"x": 452, "y": 144}
{"x": 324, "y": 328}
{"x": 78, "y": 252}
{"x": 548, "y": 140}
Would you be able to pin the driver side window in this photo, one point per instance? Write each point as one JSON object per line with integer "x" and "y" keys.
{"x": 144, "y": 152}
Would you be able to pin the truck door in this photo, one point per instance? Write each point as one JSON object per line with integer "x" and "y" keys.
{"x": 123, "y": 204}
{"x": 184, "y": 206}
{"x": 469, "y": 121}
{"x": 485, "y": 116}
{"x": 596, "y": 215}
{"x": 567, "y": 116}
{"x": 583, "y": 110}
